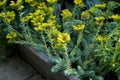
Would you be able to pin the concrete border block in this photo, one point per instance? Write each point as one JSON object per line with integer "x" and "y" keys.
{"x": 42, "y": 64}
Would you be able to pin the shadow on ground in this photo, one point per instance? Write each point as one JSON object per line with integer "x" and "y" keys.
{"x": 16, "y": 68}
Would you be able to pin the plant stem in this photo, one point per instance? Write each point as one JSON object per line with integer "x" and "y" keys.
{"x": 92, "y": 44}
{"x": 67, "y": 57}
{"x": 78, "y": 42}
{"x": 44, "y": 41}
{"x": 49, "y": 36}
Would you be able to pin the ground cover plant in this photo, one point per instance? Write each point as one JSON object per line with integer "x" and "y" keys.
{"x": 82, "y": 38}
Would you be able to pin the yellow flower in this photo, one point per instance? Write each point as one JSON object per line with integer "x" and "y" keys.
{"x": 100, "y": 38}
{"x": 25, "y": 19}
{"x": 2, "y": 14}
{"x": 11, "y": 35}
{"x": 59, "y": 45}
{"x": 101, "y": 6}
{"x": 37, "y": 19}
{"x": 32, "y": 3}
{"x": 52, "y": 17}
{"x": 8, "y": 16}
{"x": 52, "y": 20}
{"x": 99, "y": 23}
{"x": 92, "y": 9}
{"x": 101, "y": 18}
{"x": 39, "y": 28}
{"x": 63, "y": 38}
{"x": 12, "y": 4}
{"x": 54, "y": 32}
{"x": 38, "y": 12}
{"x": 49, "y": 10}
{"x": 115, "y": 17}
{"x": 42, "y": 6}
{"x": 85, "y": 14}
{"x": 66, "y": 14}
{"x": 79, "y": 27}
{"x": 21, "y": 8}
{"x": 16, "y": 4}
{"x": 47, "y": 25}
{"x": 2, "y": 2}
{"x": 28, "y": 1}
{"x": 77, "y": 2}
{"x": 51, "y": 1}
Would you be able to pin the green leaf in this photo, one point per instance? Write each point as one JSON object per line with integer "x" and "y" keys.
{"x": 111, "y": 5}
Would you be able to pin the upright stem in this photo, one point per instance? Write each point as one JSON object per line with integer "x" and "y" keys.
{"x": 67, "y": 57}
{"x": 92, "y": 44}
{"x": 78, "y": 42}
{"x": 49, "y": 36}
{"x": 44, "y": 41}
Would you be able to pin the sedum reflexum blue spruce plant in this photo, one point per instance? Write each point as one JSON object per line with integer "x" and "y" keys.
{"x": 81, "y": 37}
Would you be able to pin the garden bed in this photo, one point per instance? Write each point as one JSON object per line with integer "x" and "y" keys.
{"x": 42, "y": 64}
{"x": 81, "y": 37}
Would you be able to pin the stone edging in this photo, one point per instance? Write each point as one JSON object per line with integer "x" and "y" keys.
{"x": 42, "y": 64}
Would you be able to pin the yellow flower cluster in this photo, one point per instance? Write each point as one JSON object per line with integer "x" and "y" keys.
{"x": 99, "y": 20}
{"x": 38, "y": 28}
{"x": 32, "y": 3}
{"x": 85, "y": 14}
{"x": 54, "y": 33}
{"x": 8, "y": 16}
{"x": 101, "y": 6}
{"x": 116, "y": 17}
{"x": 92, "y": 9}
{"x": 66, "y": 14}
{"x": 21, "y": 8}
{"x": 37, "y": 20}
{"x": 100, "y": 38}
{"x": 78, "y": 2}
{"x": 51, "y": 1}
{"x": 11, "y": 36}
{"x": 50, "y": 24}
{"x": 37, "y": 17}
{"x": 62, "y": 40}
{"x": 42, "y": 6}
{"x": 17, "y": 5}
{"x": 41, "y": 18}
{"x": 79, "y": 27}
{"x": 2, "y": 2}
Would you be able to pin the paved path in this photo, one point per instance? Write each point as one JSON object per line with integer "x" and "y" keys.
{"x": 16, "y": 68}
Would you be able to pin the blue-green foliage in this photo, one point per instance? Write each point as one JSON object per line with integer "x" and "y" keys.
{"x": 84, "y": 57}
